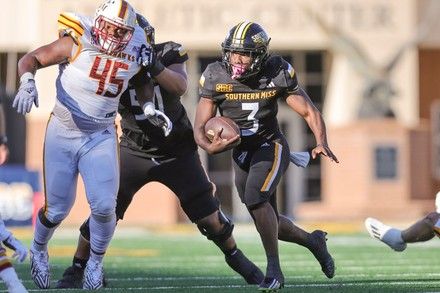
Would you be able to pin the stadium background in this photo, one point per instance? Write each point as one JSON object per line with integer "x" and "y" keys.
{"x": 390, "y": 167}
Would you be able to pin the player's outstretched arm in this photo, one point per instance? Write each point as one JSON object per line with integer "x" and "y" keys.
{"x": 301, "y": 103}
{"x": 51, "y": 54}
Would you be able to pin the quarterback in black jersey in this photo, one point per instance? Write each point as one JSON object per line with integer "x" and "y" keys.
{"x": 245, "y": 87}
{"x": 147, "y": 155}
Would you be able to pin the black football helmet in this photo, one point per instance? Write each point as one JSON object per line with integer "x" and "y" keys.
{"x": 147, "y": 27}
{"x": 249, "y": 38}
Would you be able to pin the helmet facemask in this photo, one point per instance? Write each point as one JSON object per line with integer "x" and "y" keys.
{"x": 113, "y": 26}
{"x": 241, "y": 71}
{"x": 111, "y": 42}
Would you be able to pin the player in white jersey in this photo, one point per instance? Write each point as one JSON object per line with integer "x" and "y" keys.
{"x": 7, "y": 272}
{"x": 96, "y": 58}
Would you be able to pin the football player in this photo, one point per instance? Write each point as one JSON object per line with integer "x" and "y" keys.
{"x": 96, "y": 57}
{"x": 7, "y": 272}
{"x": 423, "y": 230}
{"x": 245, "y": 87}
{"x": 146, "y": 155}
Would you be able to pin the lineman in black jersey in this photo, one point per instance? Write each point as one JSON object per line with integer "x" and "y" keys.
{"x": 146, "y": 155}
{"x": 245, "y": 87}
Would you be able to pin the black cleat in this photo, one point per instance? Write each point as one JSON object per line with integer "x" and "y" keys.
{"x": 270, "y": 285}
{"x": 72, "y": 278}
{"x": 247, "y": 269}
{"x": 319, "y": 250}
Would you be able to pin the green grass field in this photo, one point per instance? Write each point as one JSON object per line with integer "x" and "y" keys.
{"x": 141, "y": 260}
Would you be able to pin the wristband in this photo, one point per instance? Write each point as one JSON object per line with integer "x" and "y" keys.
{"x": 26, "y": 76}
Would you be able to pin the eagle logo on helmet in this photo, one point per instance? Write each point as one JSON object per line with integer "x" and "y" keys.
{"x": 249, "y": 38}
{"x": 113, "y": 26}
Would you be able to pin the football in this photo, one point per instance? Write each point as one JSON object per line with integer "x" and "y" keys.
{"x": 230, "y": 128}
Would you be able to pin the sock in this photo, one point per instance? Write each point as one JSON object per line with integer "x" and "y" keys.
{"x": 101, "y": 232}
{"x": 273, "y": 267}
{"x": 289, "y": 232}
{"x": 9, "y": 276}
{"x": 42, "y": 235}
{"x": 79, "y": 263}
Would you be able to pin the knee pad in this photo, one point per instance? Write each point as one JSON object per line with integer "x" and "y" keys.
{"x": 45, "y": 221}
{"x": 222, "y": 235}
{"x": 85, "y": 230}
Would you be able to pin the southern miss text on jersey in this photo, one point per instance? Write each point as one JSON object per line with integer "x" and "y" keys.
{"x": 251, "y": 103}
{"x": 90, "y": 83}
{"x": 139, "y": 134}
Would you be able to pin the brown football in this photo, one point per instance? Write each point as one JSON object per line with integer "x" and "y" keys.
{"x": 230, "y": 128}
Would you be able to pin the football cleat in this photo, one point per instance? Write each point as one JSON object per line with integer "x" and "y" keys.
{"x": 320, "y": 251}
{"x": 93, "y": 275}
{"x": 388, "y": 235}
{"x": 40, "y": 268}
{"x": 270, "y": 285}
{"x": 72, "y": 278}
{"x": 247, "y": 269}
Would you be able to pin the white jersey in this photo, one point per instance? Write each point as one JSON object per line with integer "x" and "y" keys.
{"x": 90, "y": 84}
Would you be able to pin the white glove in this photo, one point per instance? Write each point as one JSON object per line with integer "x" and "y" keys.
{"x": 27, "y": 94}
{"x": 147, "y": 56}
{"x": 158, "y": 118}
{"x": 15, "y": 244}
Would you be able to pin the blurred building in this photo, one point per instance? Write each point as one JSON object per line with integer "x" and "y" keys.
{"x": 370, "y": 66}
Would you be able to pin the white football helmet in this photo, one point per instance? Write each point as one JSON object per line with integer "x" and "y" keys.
{"x": 113, "y": 27}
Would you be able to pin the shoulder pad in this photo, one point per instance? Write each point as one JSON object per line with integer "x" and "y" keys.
{"x": 208, "y": 79}
{"x": 283, "y": 73}
{"x": 71, "y": 24}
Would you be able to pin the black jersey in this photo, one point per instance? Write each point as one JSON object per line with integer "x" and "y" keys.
{"x": 252, "y": 103}
{"x": 139, "y": 134}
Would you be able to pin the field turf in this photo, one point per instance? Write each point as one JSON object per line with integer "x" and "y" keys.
{"x": 180, "y": 260}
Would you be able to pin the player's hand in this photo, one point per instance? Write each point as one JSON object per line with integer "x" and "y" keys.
{"x": 158, "y": 118}
{"x": 323, "y": 149}
{"x": 219, "y": 144}
{"x": 26, "y": 96}
{"x": 15, "y": 244}
{"x": 148, "y": 59}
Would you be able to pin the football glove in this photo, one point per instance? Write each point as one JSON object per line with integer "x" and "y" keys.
{"x": 20, "y": 251}
{"x": 158, "y": 118}
{"x": 148, "y": 59}
{"x": 27, "y": 94}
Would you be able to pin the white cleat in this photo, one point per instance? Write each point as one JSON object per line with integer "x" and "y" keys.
{"x": 40, "y": 268}
{"x": 93, "y": 275}
{"x": 388, "y": 235}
